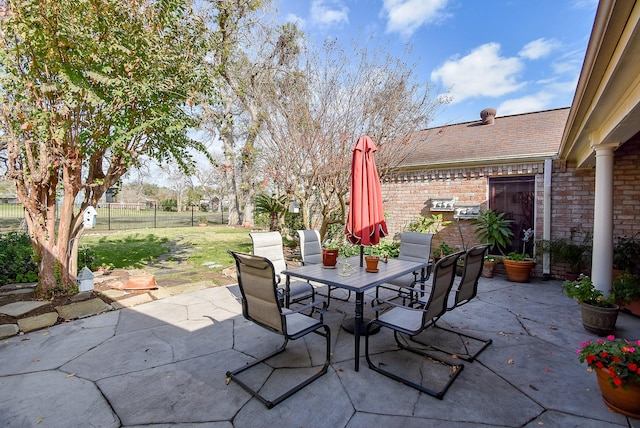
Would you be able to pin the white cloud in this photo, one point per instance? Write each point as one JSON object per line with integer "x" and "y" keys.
{"x": 482, "y": 73}
{"x": 406, "y": 16}
{"x": 329, "y": 12}
{"x": 298, "y": 20}
{"x": 538, "y": 48}
{"x": 526, "y": 104}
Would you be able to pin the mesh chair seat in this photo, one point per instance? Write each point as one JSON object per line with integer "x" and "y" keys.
{"x": 465, "y": 291}
{"x": 311, "y": 253}
{"x": 412, "y": 320}
{"x": 261, "y": 305}
{"x": 269, "y": 245}
{"x": 414, "y": 247}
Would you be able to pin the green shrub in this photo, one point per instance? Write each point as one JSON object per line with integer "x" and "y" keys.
{"x": 17, "y": 259}
{"x": 425, "y": 224}
{"x": 87, "y": 257}
{"x": 169, "y": 205}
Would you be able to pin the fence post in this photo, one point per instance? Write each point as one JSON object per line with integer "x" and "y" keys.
{"x": 155, "y": 214}
{"x": 192, "y": 215}
{"x": 108, "y": 216}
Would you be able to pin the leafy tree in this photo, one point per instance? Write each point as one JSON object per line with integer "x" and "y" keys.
{"x": 86, "y": 88}
{"x": 249, "y": 52}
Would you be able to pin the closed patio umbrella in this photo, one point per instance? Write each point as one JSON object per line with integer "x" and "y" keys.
{"x": 365, "y": 221}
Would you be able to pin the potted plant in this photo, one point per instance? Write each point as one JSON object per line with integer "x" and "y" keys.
{"x": 488, "y": 267}
{"x": 372, "y": 263}
{"x": 492, "y": 228}
{"x": 617, "y": 365}
{"x": 519, "y": 265}
{"x": 202, "y": 220}
{"x": 443, "y": 250}
{"x": 576, "y": 255}
{"x": 599, "y": 314}
{"x": 626, "y": 253}
{"x": 460, "y": 266}
{"x": 626, "y": 289}
{"x": 330, "y": 254}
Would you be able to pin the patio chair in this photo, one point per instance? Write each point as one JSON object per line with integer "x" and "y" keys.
{"x": 261, "y": 305}
{"x": 465, "y": 291}
{"x": 415, "y": 247}
{"x": 413, "y": 320}
{"x": 269, "y": 245}
{"x": 311, "y": 253}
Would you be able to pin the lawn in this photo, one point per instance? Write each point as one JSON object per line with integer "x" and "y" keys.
{"x": 205, "y": 247}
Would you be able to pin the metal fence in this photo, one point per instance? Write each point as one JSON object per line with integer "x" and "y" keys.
{"x": 118, "y": 216}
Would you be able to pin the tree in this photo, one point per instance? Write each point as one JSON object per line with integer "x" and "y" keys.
{"x": 250, "y": 52}
{"x": 273, "y": 207}
{"x": 318, "y": 111}
{"x": 86, "y": 88}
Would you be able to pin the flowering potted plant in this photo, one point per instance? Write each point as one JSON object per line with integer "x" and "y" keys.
{"x": 488, "y": 267}
{"x": 519, "y": 265}
{"x": 599, "y": 314}
{"x": 617, "y": 365}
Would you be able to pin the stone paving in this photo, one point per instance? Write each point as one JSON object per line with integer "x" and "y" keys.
{"x": 114, "y": 290}
{"x": 163, "y": 364}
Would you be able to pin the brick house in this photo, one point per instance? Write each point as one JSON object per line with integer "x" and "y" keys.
{"x": 559, "y": 171}
{"x": 460, "y": 169}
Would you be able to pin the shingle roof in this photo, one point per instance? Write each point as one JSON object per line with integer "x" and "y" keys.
{"x": 522, "y": 137}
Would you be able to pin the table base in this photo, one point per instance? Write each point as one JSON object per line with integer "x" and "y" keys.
{"x": 349, "y": 325}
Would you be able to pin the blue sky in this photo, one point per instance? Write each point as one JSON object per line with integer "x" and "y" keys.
{"x": 517, "y": 56}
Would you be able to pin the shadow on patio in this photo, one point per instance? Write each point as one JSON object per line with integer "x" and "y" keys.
{"x": 164, "y": 363}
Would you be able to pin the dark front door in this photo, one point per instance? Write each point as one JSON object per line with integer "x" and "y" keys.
{"x": 515, "y": 196}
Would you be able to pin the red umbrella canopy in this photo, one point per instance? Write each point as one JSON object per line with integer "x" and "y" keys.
{"x": 365, "y": 222}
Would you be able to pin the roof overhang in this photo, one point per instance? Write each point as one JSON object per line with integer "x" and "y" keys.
{"x": 472, "y": 163}
{"x": 606, "y": 105}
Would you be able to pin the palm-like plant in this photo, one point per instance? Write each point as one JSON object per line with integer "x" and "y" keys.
{"x": 493, "y": 228}
{"x": 272, "y": 206}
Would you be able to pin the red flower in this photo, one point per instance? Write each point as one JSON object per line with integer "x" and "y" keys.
{"x": 617, "y": 381}
{"x": 633, "y": 367}
{"x": 604, "y": 354}
{"x": 599, "y": 364}
{"x": 590, "y": 358}
{"x": 616, "y": 359}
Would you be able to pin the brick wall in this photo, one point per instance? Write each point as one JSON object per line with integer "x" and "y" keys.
{"x": 626, "y": 192}
{"x": 407, "y": 196}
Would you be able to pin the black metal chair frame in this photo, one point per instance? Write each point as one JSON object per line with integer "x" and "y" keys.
{"x": 246, "y": 312}
{"x": 466, "y": 290}
{"x": 443, "y": 276}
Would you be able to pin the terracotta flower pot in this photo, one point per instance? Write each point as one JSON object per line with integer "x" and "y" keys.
{"x": 329, "y": 257}
{"x": 633, "y": 307}
{"x": 372, "y": 263}
{"x": 487, "y": 269}
{"x": 518, "y": 271}
{"x": 618, "y": 399}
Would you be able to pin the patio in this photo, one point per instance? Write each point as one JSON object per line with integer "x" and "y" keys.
{"x": 164, "y": 363}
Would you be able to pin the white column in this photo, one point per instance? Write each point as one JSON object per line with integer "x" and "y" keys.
{"x": 602, "y": 257}
{"x": 546, "y": 228}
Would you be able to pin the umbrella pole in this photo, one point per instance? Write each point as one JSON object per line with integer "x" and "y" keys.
{"x": 361, "y": 254}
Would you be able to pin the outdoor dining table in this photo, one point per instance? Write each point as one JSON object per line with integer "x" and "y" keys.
{"x": 349, "y": 275}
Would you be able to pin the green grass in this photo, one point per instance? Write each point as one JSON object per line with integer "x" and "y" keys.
{"x": 121, "y": 218}
{"x": 136, "y": 249}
